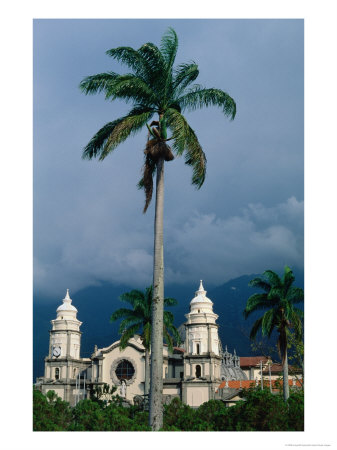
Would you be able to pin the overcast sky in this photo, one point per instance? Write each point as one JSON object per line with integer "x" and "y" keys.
{"x": 248, "y": 215}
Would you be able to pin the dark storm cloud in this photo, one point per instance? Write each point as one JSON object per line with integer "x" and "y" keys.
{"x": 248, "y": 215}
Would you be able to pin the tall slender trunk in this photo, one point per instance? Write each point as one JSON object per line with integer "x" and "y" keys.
{"x": 156, "y": 386}
{"x": 285, "y": 377}
{"x": 147, "y": 371}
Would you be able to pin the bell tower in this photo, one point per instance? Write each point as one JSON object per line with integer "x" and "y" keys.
{"x": 63, "y": 363}
{"x": 65, "y": 335}
{"x": 202, "y": 358}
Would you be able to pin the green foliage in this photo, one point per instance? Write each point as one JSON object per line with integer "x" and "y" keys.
{"x": 296, "y": 411}
{"x": 103, "y": 395}
{"x": 181, "y": 417}
{"x": 87, "y": 416}
{"x": 259, "y": 410}
{"x": 91, "y": 416}
{"x": 138, "y": 319}
{"x": 50, "y": 413}
{"x": 278, "y": 301}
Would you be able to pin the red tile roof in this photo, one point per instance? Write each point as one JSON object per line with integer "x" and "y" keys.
{"x": 273, "y": 368}
{"x": 252, "y": 360}
{"x": 240, "y": 384}
{"x": 237, "y": 384}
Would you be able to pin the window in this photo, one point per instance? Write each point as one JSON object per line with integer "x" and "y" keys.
{"x": 125, "y": 370}
{"x": 198, "y": 310}
{"x": 198, "y": 349}
{"x": 198, "y": 371}
{"x": 57, "y": 373}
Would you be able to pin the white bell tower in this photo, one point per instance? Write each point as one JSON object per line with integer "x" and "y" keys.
{"x": 65, "y": 335}
{"x": 202, "y": 359}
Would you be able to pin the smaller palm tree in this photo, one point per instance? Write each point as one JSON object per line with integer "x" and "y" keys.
{"x": 138, "y": 320}
{"x": 278, "y": 300}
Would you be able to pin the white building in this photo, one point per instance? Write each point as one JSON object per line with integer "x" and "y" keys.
{"x": 193, "y": 372}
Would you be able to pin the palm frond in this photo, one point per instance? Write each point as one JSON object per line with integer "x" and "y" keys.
{"x": 156, "y": 66}
{"x": 184, "y": 75}
{"x": 288, "y": 278}
{"x": 168, "y": 339}
{"x": 257, "y": 302}
{"x": 199, "y": 98}
{"x": 132, "y": 296}
{"x": 260, "y": 283}
{"x": 170, "y": 330}
{"x": 255, "y": 328}
{"x": 121, "y": 313}
{"x": 295, "y": 294}
{"x": 129, "y": 322}
{"x": 296, "y": 323}
{"x": 186, "y": 140}
{"x": 268, "y": 322}
{"x": 299, "y": 312}
{"x": 275, "y": 292}
{"x": 95, "y": 145}
{"x": 98, "y": 83}
{"x": 168, "y": 317}
{"x": 132, "y": 58}
{"x": 273, "y": 278}
{"x": 168, "y": 301}
{"x": 147, "y": 335}
{"x": 113, "y": 133}
{"x": 169, "y": 46}
{"x": 126, "y": 126}
{"x": 130, "y": 87}
{"x": 127, "y": 335}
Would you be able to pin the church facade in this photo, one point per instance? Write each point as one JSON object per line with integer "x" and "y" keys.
{"x": 193, "y": 372}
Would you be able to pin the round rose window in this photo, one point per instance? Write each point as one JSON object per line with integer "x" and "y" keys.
{"x": 124, "y": 370}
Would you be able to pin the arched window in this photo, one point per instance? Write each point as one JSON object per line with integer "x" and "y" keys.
{"x": 57, "y": 373}
{"x": 198, "y": 371}
{"x": 198, "y": 349}
{"x": 125, "y": 370}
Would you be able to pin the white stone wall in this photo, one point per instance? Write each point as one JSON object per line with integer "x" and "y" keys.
{"x": 197, "y": 395}
{"x": 136, "y": 358}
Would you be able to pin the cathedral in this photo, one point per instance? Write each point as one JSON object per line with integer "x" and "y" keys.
{"x": 193, "y": 372}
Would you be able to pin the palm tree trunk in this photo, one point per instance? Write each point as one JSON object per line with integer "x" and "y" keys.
{"x": 156, "y": 386}
{"x": 147, "y": 371}
{"x": 285, "y": 377}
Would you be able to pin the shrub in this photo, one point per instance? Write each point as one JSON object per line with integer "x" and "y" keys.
{"x": 87, "y": 416}
{"x": 50, "y": 413}
{"x": 296, "y": 411}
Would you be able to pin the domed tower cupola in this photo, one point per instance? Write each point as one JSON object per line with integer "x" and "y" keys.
{"x": 66, "y": 310}
{"x": 201, "y": 326}
{"x": 200, "y": 303}
{"x": 65, "y": 335}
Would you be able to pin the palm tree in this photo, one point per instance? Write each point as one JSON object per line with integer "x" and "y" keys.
{"x": 155, "y": 88}
{"x": 278, "y": 300}
{"x": 138, "y": 319}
